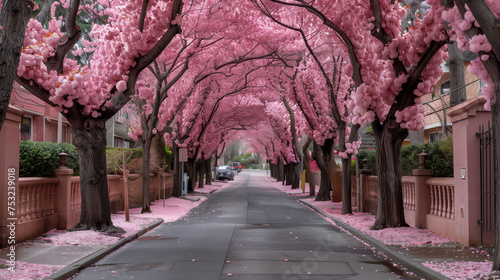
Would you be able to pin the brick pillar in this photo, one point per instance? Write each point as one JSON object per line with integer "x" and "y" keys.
{"x": 62, "y": 200}
{"x": 466, "y": 118}
{"x": 9, "y": 173}
{"x": 422, "y": 196}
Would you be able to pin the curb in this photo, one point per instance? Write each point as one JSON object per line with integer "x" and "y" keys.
{"x": 416, "y": 267}
{"x": 74, "y": 268}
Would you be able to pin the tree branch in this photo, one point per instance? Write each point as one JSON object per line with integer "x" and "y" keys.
{"x": 121, "y": 98}
{"x": 490, "y": 25}
{"x": 142, "y": 17}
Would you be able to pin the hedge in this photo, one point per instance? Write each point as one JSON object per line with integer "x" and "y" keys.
{"x": 114, "y": 157}
{"x": 439, "y": 158}
{"x": 169, "y": 159}
{"x": 40, "y": 159}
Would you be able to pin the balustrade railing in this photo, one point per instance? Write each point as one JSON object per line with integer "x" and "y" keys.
{"x": 75, "y": 194}
{"x": 36, "y": 198}
{"x": 442, "y": 198}
{"x": 409, "y": 193}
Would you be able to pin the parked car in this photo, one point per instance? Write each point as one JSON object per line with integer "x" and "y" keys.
{"x": 237, "y": 166}
{"x": 224, "y": 172}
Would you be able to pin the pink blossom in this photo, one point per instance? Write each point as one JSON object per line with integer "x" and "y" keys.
{"x": 121, "y": 86}
{"x": 479, "y": 43}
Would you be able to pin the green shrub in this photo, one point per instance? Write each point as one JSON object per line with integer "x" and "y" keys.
{"x": 40, "y": 159}
{"x": 248, "y": 161}
{"x": 238, "y": 159}
{"x": 114, "y": 157}
{"x": 168, "y": 158}
{"x": 409, "y": 158}
{"x": 255, "y": 166}
{"x": 439, "y": 158}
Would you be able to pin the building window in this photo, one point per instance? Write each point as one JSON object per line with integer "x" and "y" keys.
{"x": 445, "y": 87}
{"x": 120, "y": 116}
{"x": 119, "y": 142}
{"x": 435, "y": 136}
{"x": 481, "y": 85}
{"x": 27, "y": 128}
{"x": 64, "y": 137}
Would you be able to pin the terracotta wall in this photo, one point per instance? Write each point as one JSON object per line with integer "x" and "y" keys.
{"x": 9, "y": 172}
{"x": 47, "y": 203}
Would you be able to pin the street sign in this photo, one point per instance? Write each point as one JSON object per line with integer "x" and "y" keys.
{"x": 183, "y": 155}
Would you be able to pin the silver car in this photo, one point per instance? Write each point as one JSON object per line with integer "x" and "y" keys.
{"x": 224, "y": 172}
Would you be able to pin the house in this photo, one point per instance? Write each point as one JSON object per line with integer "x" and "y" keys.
{"x": 117, "y": 130}
{"x": 40, "y": 121}
{"x": 437, "y": 104}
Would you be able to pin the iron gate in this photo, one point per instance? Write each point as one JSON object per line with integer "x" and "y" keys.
{"x": 487, "y": 184}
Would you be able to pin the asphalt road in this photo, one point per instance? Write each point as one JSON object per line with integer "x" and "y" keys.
{"x": 248, "y": 230}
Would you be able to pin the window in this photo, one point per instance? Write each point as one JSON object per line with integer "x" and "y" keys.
{"x": 120, "y": 116}
{"x": 118, "y": 142}
{"x": 445, "y": 87}
{"x": 481, "y": 85}
{"x": 435, "y": 136}
{"x": 26, "y": 128}
{"x": 65, "y": 134}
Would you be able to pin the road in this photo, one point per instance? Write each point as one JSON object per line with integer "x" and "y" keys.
{"x": 248, "y": 230}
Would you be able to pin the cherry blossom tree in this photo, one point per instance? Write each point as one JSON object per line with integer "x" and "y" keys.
{"x": 284, "y": 152}
{"x": 321, "y": 81}
{"x": 233, "y": 114}
{"x": 278, "y": 80}
{"x": 193, "y": 125}
{"x": 166, "y": 71}
{"x": 391, "y": 69}
{"x": 135, "y": 34}
{"x": 150, "y": 100}
{"x": 475, "y": 28}
{"x": 13, "y": 20}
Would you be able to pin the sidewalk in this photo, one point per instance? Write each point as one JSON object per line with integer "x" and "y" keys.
{"x": 426, "y": 259}
{"x": 419, "y": 250}
{"x": 66, "y": 259}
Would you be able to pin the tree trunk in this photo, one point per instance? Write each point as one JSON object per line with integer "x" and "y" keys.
{"x": 192, "y": 174}
{"x": 90, "y": 140}
{"x": 346, "y": 186}
{"x": 208, "y": 171}
{"x": 457, "y": 75}
{"x": 288, "y": 174}
{"x": 158, "y": 155}
{"x": 201, "y": 167}
{"x": 146, "y": 178}
{"x": 295, "y": 175}
{"x": 177, "y": 186}
{"x": 272, "y": 170}
{"x": 307, "y": 167}
{"x": 294, "y": 172}
{"x": 13, "y": 19}
{"x": 280, "y": 174}
{"x": 390, "y": 212}
{"x": 324, "y": 158}
{"x": 325, "y": 186}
